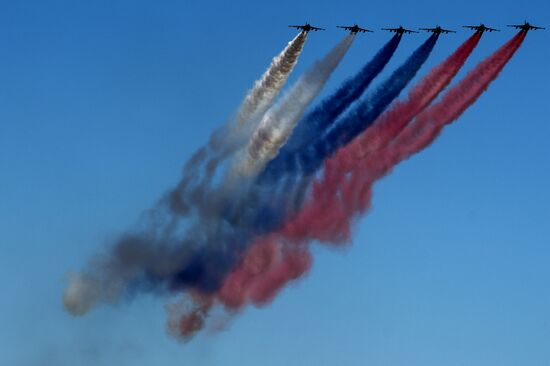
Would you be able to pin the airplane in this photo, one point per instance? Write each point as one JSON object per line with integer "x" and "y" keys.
{"x": 354, "y": 29}
{"x": 306, "y": 27}
{"x": 399, "y": 30}
{"x": 525, "y": 26}
{"x": 481, "y": 28}
{"x": 437, "y": 30}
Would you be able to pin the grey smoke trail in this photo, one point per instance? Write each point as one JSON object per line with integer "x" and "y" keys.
{"x": 278, "y": 122}
{"x": 233, "y": 135}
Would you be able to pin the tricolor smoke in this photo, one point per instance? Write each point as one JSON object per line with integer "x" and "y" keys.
{"x": 309, "y": 159}
{"x": 240, "y": 243}
{"x": 275, "y": 259}
{"x": 285, "y": 183}
{"x": 168, "y": 254}
{"x": 279, "y": 262}
{"x": 321, "y": 118}
{"x": 341, "y": 195}
{"x": 106, "y": 277}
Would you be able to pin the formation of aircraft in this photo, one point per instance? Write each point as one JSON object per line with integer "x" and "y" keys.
{"x": 354, "y": 29}
{"x": 437, "y": 30}
{"x": 481, "y": 28}
{"x": 525, "y": 27}
{"x": 306, "y": 27}
{"x": 399, "y": 30}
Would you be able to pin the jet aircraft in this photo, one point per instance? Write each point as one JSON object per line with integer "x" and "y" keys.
{"x": 306, "y": 27}
{"x": 525, "y": 27}
{"x": 481, "y": 28}
{"x": 437, "y": 30}
{"x": 354, "y": 29}
{"x": 399, "y": 30}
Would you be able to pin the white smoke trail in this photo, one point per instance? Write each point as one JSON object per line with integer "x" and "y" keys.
{"x": 231, "y": 137}
{"x": 279, "y": 121}
{"x": 259, "y": 98}
{"x": 107, "y": 277}
{"x": 266, "y": 89}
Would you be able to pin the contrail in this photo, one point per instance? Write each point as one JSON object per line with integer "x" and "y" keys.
{"x": 279, "y": 121}
{"x": 231, "y": 137}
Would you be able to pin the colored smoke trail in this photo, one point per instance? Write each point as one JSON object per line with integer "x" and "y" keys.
{"x": 156, "y": 248}
{"x": 201, "y": 263}
{"x": 229, "y": 138}
{"x": 271, "y": 261}
{"x": 361, "y": 116}
{"x": 219, "y": 243}
{"x": 339, "y": 197}
{"x": 254, "y": 212}
{"x": 349, "y": 192}
{"x": 429, "y": 124}
{"x": 403, "y": 111}
{"x": 416, "y": 136}
{"x": 279, "y": 121}
{"x": 309, "y": 159}
{"x": 322, "y": 117}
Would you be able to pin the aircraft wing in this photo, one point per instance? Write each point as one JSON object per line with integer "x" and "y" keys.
{"x": 344, "y": 27}
{"x": 535, "y": 27}
{"x": 364, "y": 30}
{"x": 391, "y": 29}
{"x": 448, "y": 31}
{"x": 296, "y": 26}
{"x": 317, "y": 28}
{"x": 481, "y": 28}
{"x": 409, "y": 31}
{"x": 518, "y": 26}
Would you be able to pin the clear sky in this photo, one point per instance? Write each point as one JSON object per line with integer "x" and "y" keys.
{"x": 101, "y": 102}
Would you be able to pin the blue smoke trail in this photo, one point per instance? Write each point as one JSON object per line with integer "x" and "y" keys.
{"x": 322, "y": 117}
{"x": 306, "y": 161}
{"x": 259, "y": 210}
{"x": 205, "y": 261}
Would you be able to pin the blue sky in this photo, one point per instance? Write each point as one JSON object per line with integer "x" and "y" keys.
{"x": 102, "y": 102}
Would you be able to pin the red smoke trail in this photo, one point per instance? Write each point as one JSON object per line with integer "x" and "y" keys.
{"x": 269, "y": 264}
{"x": 402, "y": 112}
{"x": 343, "y": 194}
{"x": 327, "y": 217}
{"x": 346, "y": 187}
{"x": 429, "y": 124}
